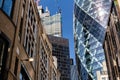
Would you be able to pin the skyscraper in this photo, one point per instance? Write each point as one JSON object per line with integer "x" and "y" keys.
{"x": 90, "y": 23}
{"x": 52, "y": 24}
{"x": 60, "y": 49}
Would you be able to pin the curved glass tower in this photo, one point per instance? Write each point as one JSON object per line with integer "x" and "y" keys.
{"x": 90, "y": 23}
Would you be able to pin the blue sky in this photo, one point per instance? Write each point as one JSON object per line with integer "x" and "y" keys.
{"x": 67, "y": 18}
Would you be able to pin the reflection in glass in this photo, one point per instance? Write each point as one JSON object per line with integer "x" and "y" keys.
{"x": 1, "y": 1}
{"x": 3, "y": 54}
{"x": 7, "y": 6}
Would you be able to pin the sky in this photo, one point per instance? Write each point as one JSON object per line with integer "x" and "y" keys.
{"x": 67, "y": 18}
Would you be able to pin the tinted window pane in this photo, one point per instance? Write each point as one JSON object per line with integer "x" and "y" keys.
{"x": 7, "y": 6}
{"x": 3, "y": 54}
{"x": 1, "y": 2}
{"x": 23, "y": 74}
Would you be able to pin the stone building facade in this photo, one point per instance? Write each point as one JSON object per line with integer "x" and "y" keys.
{"x": 22, "y": 37}
{"x": 112, "y": 42}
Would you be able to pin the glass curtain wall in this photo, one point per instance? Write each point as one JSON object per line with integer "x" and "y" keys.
{"x": 90, "y": 23}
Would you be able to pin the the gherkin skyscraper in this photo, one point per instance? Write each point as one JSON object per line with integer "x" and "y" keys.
{"x": 90, "y": 23}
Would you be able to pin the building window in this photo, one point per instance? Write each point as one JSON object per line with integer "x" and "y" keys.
{"x": 20, "y": 30}
{"x": 7, "y": 6}
{"x": 1, "y": 1}
{"x": 3, "y": 55}
{"x": 23, "y": 74}
{"x": 21, "y": 22}
{"x": 16, "y": 66}
{"x": 30, "y": 38}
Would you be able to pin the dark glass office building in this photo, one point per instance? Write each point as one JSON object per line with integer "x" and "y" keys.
{"x": 60, "y": 49}
{"x": 90, "y": 23}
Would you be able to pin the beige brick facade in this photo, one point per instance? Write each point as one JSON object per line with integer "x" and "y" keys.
{"x": 112, "y": 44}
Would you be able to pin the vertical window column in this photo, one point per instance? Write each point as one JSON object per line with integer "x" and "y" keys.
{"x": 22, "y": 18}
{"x": 3, "y": 55}
{"x": 16, "y": 66}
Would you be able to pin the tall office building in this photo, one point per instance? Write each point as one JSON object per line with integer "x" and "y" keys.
{"x": 60, "y": 49}
{"x": 90, "y": 23}
{"x": 52, "y": 24}
{"x": 112, "y": 42}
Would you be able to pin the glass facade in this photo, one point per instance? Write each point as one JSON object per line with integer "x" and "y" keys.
{"x": 1, "y": 2}
{"x": 6, "y": 6}
{"x": 90, "y": 23}
{"x": 52, "y": 25}
{"x": 61, "y": 52}
{"x": 97, "y": 9}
